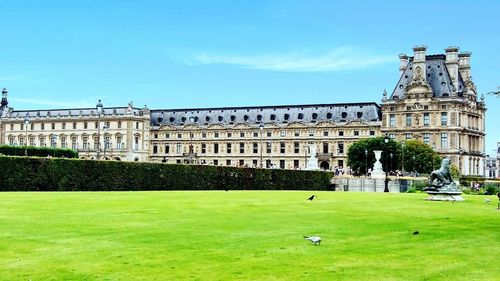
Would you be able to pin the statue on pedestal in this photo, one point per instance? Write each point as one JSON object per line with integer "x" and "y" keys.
{"x": 441, "y": 185}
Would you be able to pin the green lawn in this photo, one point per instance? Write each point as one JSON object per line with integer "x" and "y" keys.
{"x": 246, "y": 235}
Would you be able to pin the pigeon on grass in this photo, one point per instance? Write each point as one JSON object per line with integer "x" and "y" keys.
{"x": 314, "y": 239}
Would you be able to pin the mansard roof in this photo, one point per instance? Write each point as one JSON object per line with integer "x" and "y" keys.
{"x": 73, "y": 112}
{"x": 312, "y": 113}
{"x": 437, "y": 76}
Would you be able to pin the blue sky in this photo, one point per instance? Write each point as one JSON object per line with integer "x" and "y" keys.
{"x": 178, "y": 54}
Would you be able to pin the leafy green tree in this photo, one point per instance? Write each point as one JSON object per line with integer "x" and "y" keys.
{"x": 360, "y": 156}
{"x": 414, "y": 155}
{"x": 419, "y": 157}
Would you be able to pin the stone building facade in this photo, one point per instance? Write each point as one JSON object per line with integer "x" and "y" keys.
{"x": 434, "y": 101}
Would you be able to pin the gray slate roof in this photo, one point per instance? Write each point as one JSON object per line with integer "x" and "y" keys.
{"x": 277, "y": 114}
{"x": 72, "y": 112}
{"x": 437, "y": 77}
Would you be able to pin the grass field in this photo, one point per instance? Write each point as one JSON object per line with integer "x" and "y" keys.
{"x": 246, "y": 235}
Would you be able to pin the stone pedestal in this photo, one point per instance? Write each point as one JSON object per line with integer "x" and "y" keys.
{"x": 312, "y": 163}
{"x": 445, "y": 195}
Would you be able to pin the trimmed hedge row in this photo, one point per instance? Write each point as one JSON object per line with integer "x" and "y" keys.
{"x": 55, "y": 174}
{"x": 14, "y": 150}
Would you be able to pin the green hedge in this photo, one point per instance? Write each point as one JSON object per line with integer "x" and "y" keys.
{"x": 56, "y": 174}
{"x": 37, "y": 151}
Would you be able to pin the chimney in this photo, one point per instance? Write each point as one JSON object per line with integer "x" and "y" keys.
{"x": 419, "y": 62}
{"x": 452, "y": 65}
{"x": 4, "y": 102}
{"x": 403, "y": 58}
{"x": 464, "y": 65}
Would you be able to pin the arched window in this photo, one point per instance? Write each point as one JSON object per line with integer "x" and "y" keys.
{"x": 301, "y": 116}
{"x": 315, "y": 116}
{"x": 344, "y": 115}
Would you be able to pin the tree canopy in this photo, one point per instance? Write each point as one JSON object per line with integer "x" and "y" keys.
{"x": 412, "y": 155}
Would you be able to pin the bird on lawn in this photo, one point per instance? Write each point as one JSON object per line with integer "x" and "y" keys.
{"x": 312, "y": 197}
{"x": 416, "y": 232}
{"x": 314, "y": 239}
{"x": 486, "y": 200}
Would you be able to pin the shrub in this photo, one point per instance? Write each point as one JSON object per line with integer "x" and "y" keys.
{"x": 58, "y": 174}
{"x": 491, "y": 189}
{"x": 37, "y": 151}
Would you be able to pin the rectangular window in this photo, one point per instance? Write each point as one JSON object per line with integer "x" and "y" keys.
{"x": 269, "y": 134}
{"x": 167, "y": 149}
{"x": 179, "y": 148}
{"x": 296, "y": 147}
{"x": 341, "y": 133}
{"x": 268, "y": 147}
{"x": 86, "y": 144}
{"x": 242, "y": 162}
{"x": 42, "y": 126}
{"x": 427, "y": 138}
{"x": 32, "y": 142}
{"x": 283, "y": 133}
{"x": 203, "y": 148}
{"x": 216, "y": 148}
{"x": 392, "y": 120}
{"x": 216, "y": 162}
{"x": 63, "y": 142}
{"x": 155, "y": 149}
{"x": 408, "y": 136}
{"x": 32, "y": 126}
{"x": 179, "y": 136}
{"x": 444, "y": 140}
{"x": 325, "y": 147}
{"x": 392, "y": 136}
{"x": 268, "y": 163}
{"x": 255, "y": 147}
{"x": 282, "y": 164}
{"x": 408, "y": 120}
{"x": 295, "y": 164}
{"x": 356, "y": 133}
{"x": 325, "y": 133}
{"x": 372, "y": 133}
{"x": 444, "y": 118}
{"x": 53, "y": 126}
{"x": 228, "y": 148}
{"x": 22, "y": 127}
{"x": 340, "y": 148}
{"x": 311, "y": 133}
{"x": 155, "y": 135}
{"x": 96, "y": 125}
{"x": 254, "y": 162}
{"x": 229, "y": 134}
{"x": 341, "y": 163}
{"x": 296, "y": 133}
{"x": 228, "y": 162}
{"x": 119, "y": 124}
{"x": 12, "y": 127}
{"x": 74, "y": 144}
{"x": 242, "y": 134}
{"x": 64, "y": 126}
{"x": 255, "y": 134}
{"x": 137, "y": 125}
{"x": 282, "y": 147}
{"x": 203, "y": 135}
{"x": 426, "y": 119}
{"x": 242, "y": 147}
{"x": 216, "y": 134}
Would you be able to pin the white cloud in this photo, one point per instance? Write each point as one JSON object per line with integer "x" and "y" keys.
{"x": 335, "y": 60}
{"x": 10, "y": 78}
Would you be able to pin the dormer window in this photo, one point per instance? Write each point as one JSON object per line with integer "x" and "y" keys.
{"x": 359, "y": 114}
{"x": 273, "y": 117}
{"x": 171, "y": 119}
{"x": 301, "y": 116}
{"x": 245, "y": 117}
{"x": 329, "y": 115}
{"x": 286, "y": 116}
{"x": 259, "y": 117}
{"x": 344, "y": 115}
{"x": 233, "y": 118}
{"x": 315, "y": 116}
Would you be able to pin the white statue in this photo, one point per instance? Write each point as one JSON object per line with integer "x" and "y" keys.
{"x": 312, "y": 163}
{"x": 377, "y": 172}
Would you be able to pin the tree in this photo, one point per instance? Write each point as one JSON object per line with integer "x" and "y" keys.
{"x": 358, "y": 160}
{"x": 420, "y": 157}
{"x": 414, "y": 155}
